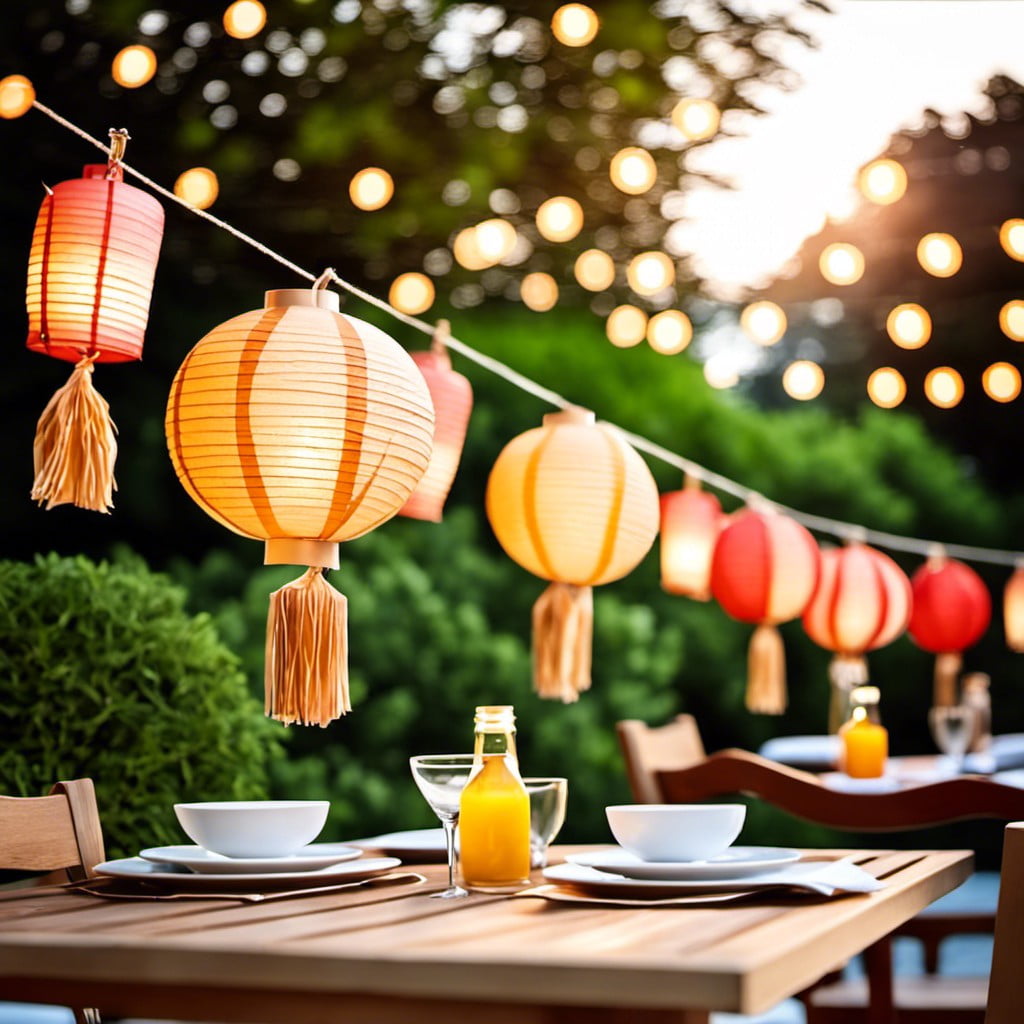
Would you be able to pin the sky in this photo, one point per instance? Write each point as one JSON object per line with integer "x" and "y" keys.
{"x": 878, "y": 65}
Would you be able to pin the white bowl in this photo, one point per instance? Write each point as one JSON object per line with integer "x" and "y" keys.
{"x": 676, "y": 832}
{"x": 253, "y": 828}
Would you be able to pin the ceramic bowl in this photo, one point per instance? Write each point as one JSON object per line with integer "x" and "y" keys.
{"x": 676, "y": 832}
{"x": 253, "y": 828}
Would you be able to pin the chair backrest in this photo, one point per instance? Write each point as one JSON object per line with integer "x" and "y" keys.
{"x": 649, "y": 750}
{"x": 48, "y": 833}
{"x": 1006, "y": 984}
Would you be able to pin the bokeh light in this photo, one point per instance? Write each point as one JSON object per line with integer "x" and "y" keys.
{"x": 763, "y": 322}
{"x": 574, "y": 24}
{"x": 909, "y": 325}
{"x": 371, "y": 188}
{"x": 1011, "y": 238}
{"x": 1011, "y": 319}
{"x": 244, "y": 18}
{"x": 626, "y": 326}
{"x": 883, "y": 181}
{"x": 940, "y": 254}
{"x": 841, "y": 263}
{"x": 16, "y": 96}
{"x": 650, "y": 272}
{"x": 886, "y": 387}
{"x": 467, "y": 251}
{"x": 595, "y": 270}
{"x": 1001, "y": 382}
{"x": 495, "y": 239}
{"x": 560, "y": 219}
{"x": 944, "y": 387}
{"x": 134, "y": 66}
{"x": 669, "y": 332}
{"x": 803, "y": 380}
{"x": 696, "y": 119}
{"x": 720, "y": 371}
{"x": 633, "y": 171}
{"x": 539, "y": 291}
{"x": 411, "y": 293}
{"x": 198, "y": 186}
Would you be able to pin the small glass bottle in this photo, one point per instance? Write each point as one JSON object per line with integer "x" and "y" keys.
{"x": 494, "y": 815}
{"x": 865, "y": 741}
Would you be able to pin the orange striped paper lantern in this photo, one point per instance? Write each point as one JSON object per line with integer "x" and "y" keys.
{"x": 573, "y": 503}
{"x": 452, "y": 396}
{"x": 1013, "y": 610}
{"x": 691, "y": 520}
{"x": 303, "y": 427}
{"x": 90, "y": 279}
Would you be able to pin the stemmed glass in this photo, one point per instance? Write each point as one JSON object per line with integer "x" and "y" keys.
{"x": 951, "y": 729}
{"x": 547, "y": 815}
{"x": 441, "y": 779}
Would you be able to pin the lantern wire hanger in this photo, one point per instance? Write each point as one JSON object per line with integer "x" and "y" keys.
{"x": 836, "y": 528}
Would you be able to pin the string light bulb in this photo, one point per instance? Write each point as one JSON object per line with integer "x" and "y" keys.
{"x": 495, "y": 239}
{"x": 16, "y": 96}
{"x": 626, "y": 326}
{"x": 134, "y": 66}
{"x": 841, "y": 263}
{"x": 633, "y": 171}
{"x": 198, "y": 186}
{"x": 411, "y": 293}
{"x": 940, "y": 254}
{"x": 574, "y": 24}
{"x": 696, "y": 119}
{"x": 1011, "y": 319}
{"x": 669, "y": 332}
{"x": 803, "y": 380}
{"x": 595, "y": 270}
{"x": 371, "y": 188}
{"x": 1011, "y": 238}
{"x": 1001, "y": 382}
{"x": 560, "y": 219}
{"x": 763, "y": 322}
{"x": 883, "y": 181}
{"x": 886, "y": 387}
{"x": 244, "y": 19}
{"x": 650, "y": 272}
{"x": 944, "y": 387}
{"x": 539, "y": 291}
{"x": 909, "y": 325}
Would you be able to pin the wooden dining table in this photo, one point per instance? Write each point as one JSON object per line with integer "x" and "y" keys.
{"x": 388, "y": 953}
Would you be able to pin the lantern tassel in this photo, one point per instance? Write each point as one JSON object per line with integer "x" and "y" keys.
{"x": 563, "y": 632}
{"x": 306, "y": 674}
{"x": 844, "y": 672}
{"x": 76, "y": 446}
{"x": 947, "y": 671}
{"x": 766, "y": 672}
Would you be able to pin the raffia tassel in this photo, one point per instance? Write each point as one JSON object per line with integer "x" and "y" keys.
{"x": 947, "y": 671}
{"x": 766, "y": 672}
{"x": 76, "y": 446}
{"x": 306, "y": 675}
{"x": 844, "y": 672}
{"x": 563, "y": 633}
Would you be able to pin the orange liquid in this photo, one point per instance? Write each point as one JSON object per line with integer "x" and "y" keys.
{"x": 494, "y": 827}
{"x": 865, "y": 748}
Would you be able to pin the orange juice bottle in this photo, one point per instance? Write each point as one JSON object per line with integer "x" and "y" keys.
{"x": 494, "y": 814}
{"x": 865, "y": 741}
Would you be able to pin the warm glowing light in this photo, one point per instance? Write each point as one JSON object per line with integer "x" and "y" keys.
{"x": 763, "y": 322}
{"x": 909, "y": 325}
{"x": 803, "y": 380}
{"x": 539, "y": 291}
{"x": 134, "y": 66}
{"x": 626, "y": 326}
{"x": 466, "y": 250}
{"x": 371, "y": 188}
{"x": 198, "y": 186}
{"x": 411, "y": 293}
{"x": 1011, "y": 319}
{"x": 560, "y": 219}
{"x": 720, "y": 371}
{"x": 633, "y": 170}
{"x": 883, "y": 181}
{"x": 495, "y": 239}
{"x": 595, "y": 270}
{"x": 940, "y": 254}
{"x": 1011, "y": 237}
{"x": 696, "y": 119}
{"x": 841, "y": 263}
{"x": 16, "y": 96}
{"x": 1001, "y": 382}
{"x": 574, "y": 24}
{"x": 944, "y": 387}
{"x": 669, "y": 332}
{"x": 244, "y": 18}
{"x": 650, "y": 272}
{"x": 886, "y": 387}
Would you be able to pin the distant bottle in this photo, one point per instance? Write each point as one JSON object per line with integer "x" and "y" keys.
{"x": 865, "y": 741}
{"x": 494, "y": 815}
{"x": 976, "y": 696}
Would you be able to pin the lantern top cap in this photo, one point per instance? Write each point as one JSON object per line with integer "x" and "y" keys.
{"x": 319, "y": 297}
{"x": 575, "y": 414}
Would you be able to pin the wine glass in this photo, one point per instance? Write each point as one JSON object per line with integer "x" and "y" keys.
{"x": 951, "y": 729}
{"x": 547, "y": 814}
{"x": 441, "y": 779}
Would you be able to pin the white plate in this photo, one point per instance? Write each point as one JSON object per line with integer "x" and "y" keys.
{"x": 737, "y": 862}
{"x": 422, "y": 844}
{"x": 195, "y": 858}
{"x": 171, "y": 875}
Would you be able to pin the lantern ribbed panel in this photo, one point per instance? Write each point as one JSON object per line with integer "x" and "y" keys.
{"x": 691, "y": 520}
{"x": 952, "y": 607}
{"x": 299, "y": 422}
{"x": 862, "y": 601}
{"x": 573, "y": 502}
{"x": 91, "y": 267}
{"x": 452, "y": 396}
{"x": 1013, "y": 611}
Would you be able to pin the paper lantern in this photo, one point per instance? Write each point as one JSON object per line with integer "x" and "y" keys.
{"x": 691, "y": 520}
{"x": 952, "y": 610}
{"x": 1013, "y": 610}
{"x": 764, "y": 570}
{"x": 90, "y": 278}
{"x": 303, "y": 427}
{"x": 573, "y": 503}
{"x": 452, "y": 396}
{"x": 862, "y": 602}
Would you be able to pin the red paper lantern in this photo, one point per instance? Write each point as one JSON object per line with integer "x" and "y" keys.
{"x": 90, "y": 278}
{"x": 952, "y": 609}
{"x": 452, "y": 396}
{"x": 691, "y": 520}
{"x": 764, "y": 570}
{"x": 1013, "y": 610}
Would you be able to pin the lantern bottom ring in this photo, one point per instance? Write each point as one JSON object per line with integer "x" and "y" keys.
{"x": 301, "y": 551}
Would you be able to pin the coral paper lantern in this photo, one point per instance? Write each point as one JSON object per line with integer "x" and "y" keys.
{"x": 452, "y": 396}
{"x": 764, "y": 571}
{"x": 691, "y": 520}
{"x": 573, "y": 503}
{"x": 303, "y": 427}
{"x": 862, "y": 602}
{"x": 952, "y": 609}
{"x": 1013, "y": 610}
{"x": 90, "y": 278}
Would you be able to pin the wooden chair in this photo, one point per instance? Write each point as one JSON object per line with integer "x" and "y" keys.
{"x": 648, "y": 750}
{"x": 1006, "y": 983}
{"x": 59, "y": 834}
